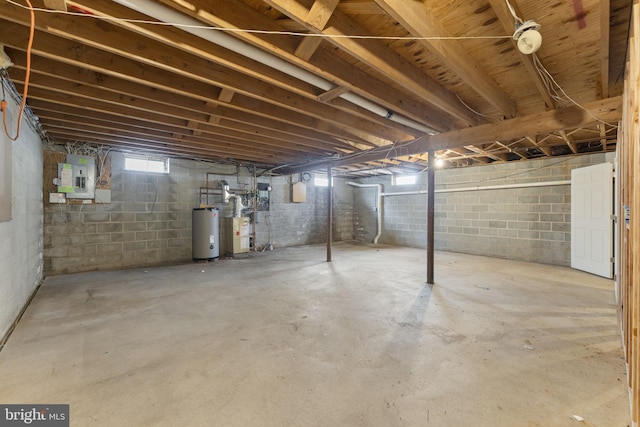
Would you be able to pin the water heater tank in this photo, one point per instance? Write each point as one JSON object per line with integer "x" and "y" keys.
{"x": 205, "y": 234}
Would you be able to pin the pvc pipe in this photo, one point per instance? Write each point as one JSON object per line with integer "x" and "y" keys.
{"x": 405, "y": 193}
{"x": 378, "y": 205}
{"x": 479, "y": 188}
{"x": 195, "y": 27}
{"x": 503, "y": 186}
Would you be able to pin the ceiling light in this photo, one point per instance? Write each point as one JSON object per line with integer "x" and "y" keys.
{"x": 439, "y": 162}
{"x": 528, "y": 37}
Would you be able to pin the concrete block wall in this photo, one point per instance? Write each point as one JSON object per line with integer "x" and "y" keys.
{"x": 529, "y": 224}
{"x": 292, "y": 224}
{"x": 21, "y": 249}
{"x": 148, "y": 221}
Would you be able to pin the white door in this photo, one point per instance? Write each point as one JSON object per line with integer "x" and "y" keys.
{"x": 591, "y": 225}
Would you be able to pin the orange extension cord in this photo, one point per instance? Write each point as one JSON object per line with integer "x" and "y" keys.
{"x": 3, "y": 104}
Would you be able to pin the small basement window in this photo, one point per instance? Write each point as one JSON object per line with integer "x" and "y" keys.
{"x": 146, "y": 164}
{"x": 404, "y": 179}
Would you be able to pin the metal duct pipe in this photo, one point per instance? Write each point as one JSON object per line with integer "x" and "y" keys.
{"x": 378, "y": 205}
{"x": 193, "y": 26}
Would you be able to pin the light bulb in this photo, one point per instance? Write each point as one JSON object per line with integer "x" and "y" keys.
{"x": 529, "y": 42}
{"x": 439, "y": 162}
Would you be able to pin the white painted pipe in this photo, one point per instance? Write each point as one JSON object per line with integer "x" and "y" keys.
{"x": 195, "y": 27}
{"x": 504, "y": 186}
{"x": 378, "y": 205}
{"x": 405, "y": 193}
{"x": 480, "y": 188}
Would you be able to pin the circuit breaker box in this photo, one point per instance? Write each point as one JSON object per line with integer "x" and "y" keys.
{"x": 236, "y": 235}
{"x": 77, "y": 177}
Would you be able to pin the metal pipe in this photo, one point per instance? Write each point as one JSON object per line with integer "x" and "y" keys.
{"x": 329, "y": 213}
{"x": 195, "y": 27}
{"x": 378, "y": 205}
{"x": 431, "y": 184}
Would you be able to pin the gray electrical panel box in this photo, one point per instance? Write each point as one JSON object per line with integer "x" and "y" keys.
{"x": 77, "y": 177}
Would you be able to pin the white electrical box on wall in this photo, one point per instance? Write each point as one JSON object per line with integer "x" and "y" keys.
{"x": 298, "y": 192}
{"x": 77, "y": 177}
{"x": 57, "y": 198}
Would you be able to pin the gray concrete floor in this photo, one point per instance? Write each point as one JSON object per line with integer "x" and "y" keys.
{"x": 285, "y": 339}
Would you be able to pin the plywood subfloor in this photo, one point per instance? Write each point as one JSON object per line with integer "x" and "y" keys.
{"x": 285, "y": 339}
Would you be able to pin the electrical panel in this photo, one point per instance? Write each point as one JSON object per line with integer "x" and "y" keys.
{"x": 77, "y": 177}
{"x": 264, "y": 190}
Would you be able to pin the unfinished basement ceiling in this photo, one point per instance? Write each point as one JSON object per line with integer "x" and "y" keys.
{"x": 427, "y": 75}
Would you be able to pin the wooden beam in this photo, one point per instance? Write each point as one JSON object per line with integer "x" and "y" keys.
{"x": 332, "y": 94}
{"x": 569, "y": 141}
{"x": 416, "y": 18}
{"x": 381, "y": 58}
{"x": 494, "y": 156}
{"x": 360, "y": 8}
{"x": 546, "y": 150}
{"x": 168, "y": 54}
{"x": 605, "y": 15}
{"x": 226, "y": 95}
{"x": 603, "y": 136}
{"x": 232, "y": 139}
{"x": 97, "y": 69}
{"x": 609, "y": 110}
{"x": 130, "y": 68}
{"x": 307, "y": 47}
{"x": 522, "y": 156}
{"x": 323, "y": 63}
{"x": 507, "y": 21}
{"x": 60, "y": 5}
{"x": 109, "y": 101}
{"x": 318, "y": 17}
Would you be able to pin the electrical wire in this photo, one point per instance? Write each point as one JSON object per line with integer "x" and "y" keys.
{"x": 477, "y": 112}
{"x": 32, "y": 120}
{"x": 554, "y": 89}
{"x": 553, "y": 86}
{"x": 253, "y": 31}
{"x": 3, "y": 103}
{"x": 513, "y": 12}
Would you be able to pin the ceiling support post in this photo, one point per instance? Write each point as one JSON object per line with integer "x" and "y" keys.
{"x": 430, "y": 215}
{"x": 329, "y": 212}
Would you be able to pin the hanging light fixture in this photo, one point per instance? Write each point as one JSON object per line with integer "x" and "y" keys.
{"x": 528, "y": 37}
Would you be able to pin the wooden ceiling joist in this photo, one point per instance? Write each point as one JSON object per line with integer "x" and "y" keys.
{"x": 380, "y": 58}
{"x": 148, "y": 80}
{"x": 169, "y": 58}
{"x": 550, "y": 121}
{"x": 318, "y": 17}
{"x": 415, "y": 17}
{"x": 373, "y": 83}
